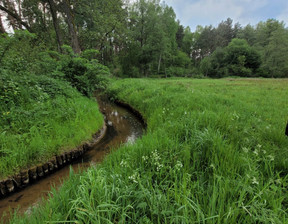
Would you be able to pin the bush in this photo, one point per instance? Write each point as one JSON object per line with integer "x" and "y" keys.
{"x": 178, "y": 71}
{"x": 83, "y": 74}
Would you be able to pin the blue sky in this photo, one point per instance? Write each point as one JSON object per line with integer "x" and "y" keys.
{"x": 212, "y": 12}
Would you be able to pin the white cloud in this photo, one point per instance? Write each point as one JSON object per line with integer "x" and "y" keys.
{"x": 206, "y": 12}
{"x": 284, "y": 15}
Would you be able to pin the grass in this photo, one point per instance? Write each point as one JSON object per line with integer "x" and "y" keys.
{"x": 214, "y": 152}
{"x": 39, "y": 118}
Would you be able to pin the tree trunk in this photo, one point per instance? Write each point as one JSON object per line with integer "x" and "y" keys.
{"x": 2, "y": 29}
{"x": 20, "y": 12}
{"x": 13, "y": 22}
{"x": 159, "y": 63}
{"x": 71, "y": 27}
{"x": 53, "y": 11}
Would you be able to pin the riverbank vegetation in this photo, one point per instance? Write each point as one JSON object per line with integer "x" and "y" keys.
{"x": 215, "y": 152}
{"x": 42, "y": 115}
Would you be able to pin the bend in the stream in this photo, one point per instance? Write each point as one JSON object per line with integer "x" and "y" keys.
{"x": 123, "y": 124}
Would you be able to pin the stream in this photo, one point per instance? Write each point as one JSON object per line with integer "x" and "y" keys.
{"x": 122, "y": 127}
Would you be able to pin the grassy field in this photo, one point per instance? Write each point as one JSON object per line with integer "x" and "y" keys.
{"x": 214, "y": 152}
{"x": 41, "y": 117}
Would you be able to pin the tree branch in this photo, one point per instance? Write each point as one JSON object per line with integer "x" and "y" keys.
{"x": 15, "y": 16}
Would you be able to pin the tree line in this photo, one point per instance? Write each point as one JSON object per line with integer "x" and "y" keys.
{"x": 144, "y": 38}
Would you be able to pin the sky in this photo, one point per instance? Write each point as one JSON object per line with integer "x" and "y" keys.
{"x": 211, "y": 12}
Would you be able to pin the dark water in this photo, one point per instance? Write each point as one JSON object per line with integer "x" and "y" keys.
{"x": 123, "y": 127}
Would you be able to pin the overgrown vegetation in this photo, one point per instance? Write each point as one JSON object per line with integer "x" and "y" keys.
{"x": 215, "y": 152}
{"x": 41, "y": 114}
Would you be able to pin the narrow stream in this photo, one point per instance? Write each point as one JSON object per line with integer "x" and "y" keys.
{"x": 122, "y": 127}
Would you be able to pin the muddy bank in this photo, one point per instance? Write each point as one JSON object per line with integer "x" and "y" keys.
{"x": 25, "y": 177}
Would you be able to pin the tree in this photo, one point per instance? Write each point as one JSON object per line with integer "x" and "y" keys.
{"x": 152, "y": 31}
{"x": 187, "y": 42}
{"x": 271, "y": 42}
{"x": 215, "y": 65}
{"x": 224, "y": 33}
{"x": 101, "y": 25}
{"x": 205, "y": 43}
{"x": 242, "y": 59}
{"x": 248, "y": 33}
{"x": 276, "y": 57}
{"x": 53, "y": 11}
{"x": 14, "y": 18}
{"x": 180, "y": 35}
{"x": 2, "y": 29}
{"x": 66, "y": 6}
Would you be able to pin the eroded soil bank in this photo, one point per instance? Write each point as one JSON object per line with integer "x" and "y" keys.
{"x": 124, "y": 124}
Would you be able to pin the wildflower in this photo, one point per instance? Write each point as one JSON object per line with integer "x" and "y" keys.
{"x": 178, "y": 165}
{"x": 159, "y": 167}
{"x": 245, "y": 149}
{"x": 278, "y": 181}
{"x": 254, "y": 181}
{"x": 259, "y": 146}
{"x": 134, "y": 177}
{"x": 145, "y": 158}
{"x": 235, "y": 116}
{"x": 155, "y": 156}
{"x": 212, "y": 166}
{"x": 185, "y": 113}
{"x": 270, "y": 157}
{"x": 256, "y": 152}
{"x": 123, "y": 163}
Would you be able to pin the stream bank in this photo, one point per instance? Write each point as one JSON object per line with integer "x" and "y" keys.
{"x": 124, "y": 124}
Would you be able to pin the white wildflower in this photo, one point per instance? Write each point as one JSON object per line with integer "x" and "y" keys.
{"x": 178, "y": 165}
{"x": 155, "y": 156}
{"x": 245, "y": 149}
{"x": 123, "y": 163}
{"x": 254, "y": 181}
{"x": 235, "y": 116}
{"x": 270, "y": 157}
{"x": 134, "y": 177}
{"x": 212, "y": 166}
{"x": 278, "y": 181}
{"x": 159, "y": 167}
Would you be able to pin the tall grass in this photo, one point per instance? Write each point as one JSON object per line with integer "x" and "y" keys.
{"x": 41, "y": 117}
{"x": 215, "y": 152}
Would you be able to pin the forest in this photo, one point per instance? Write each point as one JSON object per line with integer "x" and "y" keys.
{"x": 211, "y": 104}
{"x": 144, "y": 39}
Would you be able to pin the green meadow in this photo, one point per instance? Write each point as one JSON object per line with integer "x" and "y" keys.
{"x": 214, "y": 152}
